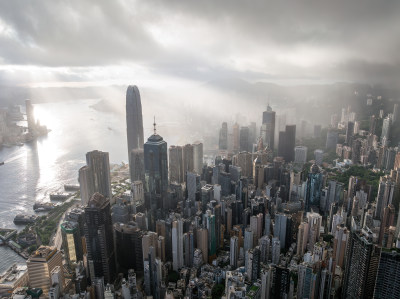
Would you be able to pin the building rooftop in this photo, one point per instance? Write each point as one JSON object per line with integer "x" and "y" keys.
{"x": 97, "y": 200}
{"x": 12, "y": 275}
{"x": 43, "y": 253}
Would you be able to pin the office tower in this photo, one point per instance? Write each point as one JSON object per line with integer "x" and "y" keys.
{"x": 268, "y": 127}
{"x": 128, "y": 245}
{"x": 234, "y": 252}
{"x": 385, "y": 131}
{"x": 361, "y": 267}
{"x": 287, "y": 142}
{"x": 236, "y": 137}
{"x": 177, "y": 244}
{"x": 99, "y": 238}
{"x": 396, "y": 112}
{"x": 302, "y": 238}
{"x": 40, "y": 265}
{"x": 282, "y": 282}
{"x": 252, "y": 134}
{"x": 386, "y": 222}
{"x": 340, "y": 244}
{"x": 314, "y": 187}
{"x": 317, "y": 131}
{"x": 264, "y": 244}
{"x": 134, "y": 120}
{"x": 308, "y": 281}
{"x": 267, "y": 229}
{"x": 136, "y": 164}
{"x": 385, "y": 195}
{"x": 314, "y": 227}
{"x": 276, "y": 251}
{"x": 245, "y": 161}
{"x": 197, "y": 157}
{"x": 258, "y": 173}
{"x": 300, "y": 154}
{"x": 223, "y": 137}
{"x": 188, "y": 252}
{"x": 72, "y": 242}
{"x": 244, "y": 144}
{"x": 266, "y": 282}
{"x": 187, "y": 158}
{"x": 137, "y": 194}
{"x": 30, "y": 116}
{"x": 331, "y": 139}
{"x": 202, "y": 242}
{"x": 212, "y": 237}
{"x": 318, "y": 156}
{"x": 95, "y": 176}
{"x": 193, "y": 186}
{"x": 156, "y": 168}
{"x": 282, "y": 229}
{"x": 387, "y": 283}
{"x": 248, "y": 239}
{"x": 349, "y": 133}
{"x": 176, "y": 173}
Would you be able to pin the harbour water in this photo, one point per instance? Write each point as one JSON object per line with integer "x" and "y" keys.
{"x": 33, "y": 171}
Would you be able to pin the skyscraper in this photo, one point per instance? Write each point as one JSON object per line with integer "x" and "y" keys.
{"x": 387, "y": 283}
{"x": 134, "y": 130}
{"x": 361, "y": 267}
{"x": 136, "y": 164}
{"x": 156, "y": 168}
{"x": 128, "y": 244}
{"x": 198, "y": 157}
{"x": 177, "y": 244}
{"x": 223, "y": 137}
{"x": 287, "y": 142}
{"x": 268, "y": 127}
{"x": 244, "y": 139}
{"x": 134, "y": 120}
{"x": 95, "y": 176}
{"x": 99, "y": 238}
{"x": 176, "y": 173}
{"x": 72, "y": 242}
{"x": 40, "y": 266}
{"x": 314, "y": 187}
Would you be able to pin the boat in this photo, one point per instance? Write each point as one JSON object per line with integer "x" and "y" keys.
{"x": 59, "y": 196}
{"x": 24, "y": 219}
{"x": 1, "y": 163}
{"x": 20, "y": 144}
{"x": 43, "y": 206}
{"x": 68, "y": 187}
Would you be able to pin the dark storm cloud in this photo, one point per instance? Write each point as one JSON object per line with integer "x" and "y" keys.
{"x": 202, "y": 40}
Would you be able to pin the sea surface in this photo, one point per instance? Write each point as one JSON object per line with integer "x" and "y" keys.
{"x": 33, "y": 171}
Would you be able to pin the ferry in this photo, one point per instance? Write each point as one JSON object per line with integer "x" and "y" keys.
{"x": 43, "y": 206}
{"x": 74, "y": 188}
{"x": 24, "y": 219}
{"x": 59, "y": 196}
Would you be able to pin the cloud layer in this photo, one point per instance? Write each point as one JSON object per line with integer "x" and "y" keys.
{"x": 56, "y": 42}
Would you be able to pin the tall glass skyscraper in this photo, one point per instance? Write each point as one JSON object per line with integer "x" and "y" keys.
{"x": 134, "y": 119}
{"x": 156, "y": 167}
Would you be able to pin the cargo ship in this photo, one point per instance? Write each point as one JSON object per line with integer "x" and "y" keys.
{"x": 24, "y": 219}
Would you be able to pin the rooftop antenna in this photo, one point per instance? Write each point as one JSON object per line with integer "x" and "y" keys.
{"x": 154, "y": 124}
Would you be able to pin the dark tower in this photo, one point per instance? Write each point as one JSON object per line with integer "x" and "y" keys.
{"x": 156, "y": 168}
{"x": 99, "y": 239}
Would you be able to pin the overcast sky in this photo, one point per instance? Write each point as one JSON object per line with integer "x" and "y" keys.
{"x": 167, "y": 43}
